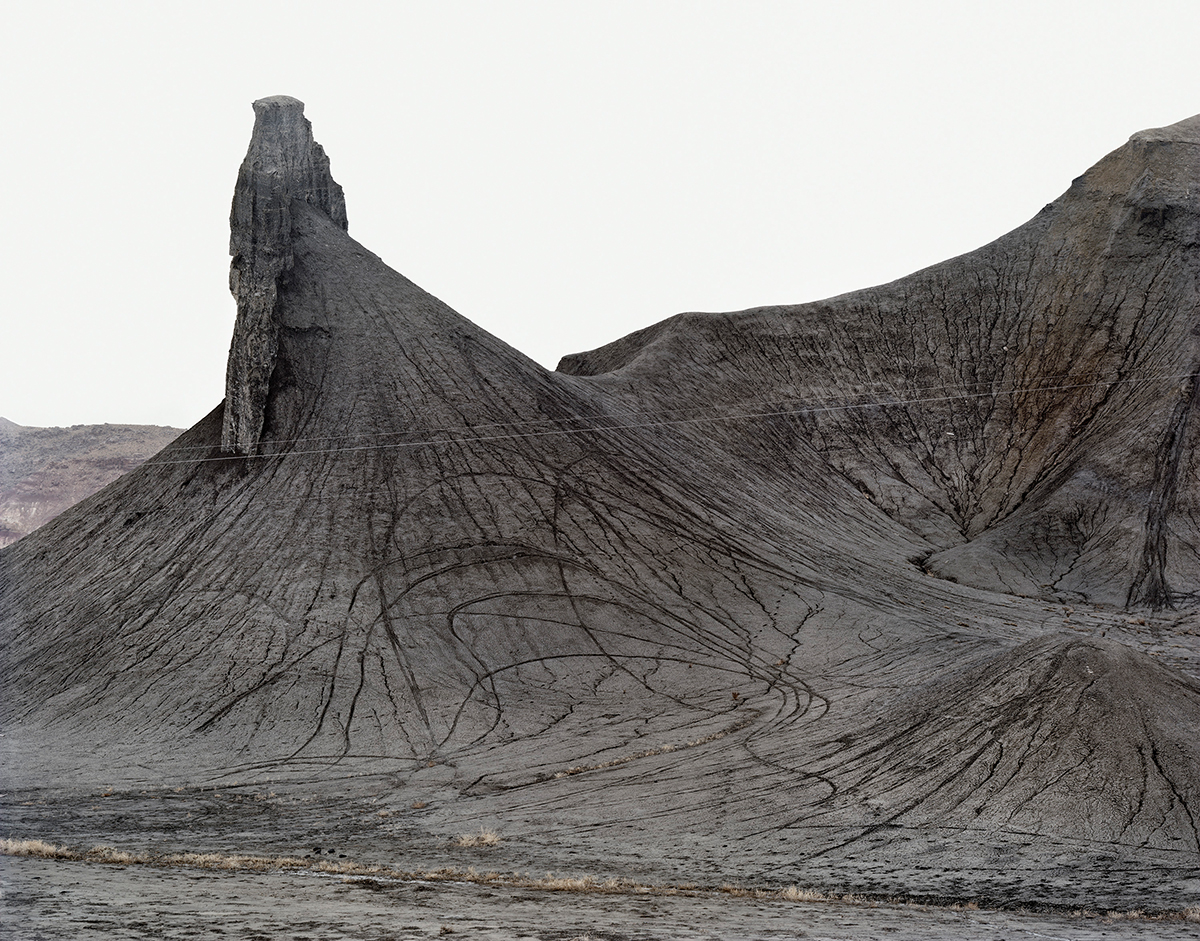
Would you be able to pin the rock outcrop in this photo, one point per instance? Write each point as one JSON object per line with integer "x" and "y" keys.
{"x": 284, "y": 166}
{"x": 892, "y": 592}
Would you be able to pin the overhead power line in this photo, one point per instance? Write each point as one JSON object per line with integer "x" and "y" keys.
{"x": 613, "y": 422}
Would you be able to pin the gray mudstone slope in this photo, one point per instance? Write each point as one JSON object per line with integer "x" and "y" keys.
{"x": 894, "y": 591}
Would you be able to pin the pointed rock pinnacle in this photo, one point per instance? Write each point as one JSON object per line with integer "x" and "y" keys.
{"x": 283, "y": 164}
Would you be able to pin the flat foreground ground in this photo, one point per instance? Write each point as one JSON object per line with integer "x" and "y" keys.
{"x": 52, "y": 899}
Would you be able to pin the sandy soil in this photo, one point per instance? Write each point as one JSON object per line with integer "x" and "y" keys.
{"x": 50, "y": 899}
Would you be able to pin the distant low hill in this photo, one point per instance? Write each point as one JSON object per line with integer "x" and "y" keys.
{"x": 45, "y": 470}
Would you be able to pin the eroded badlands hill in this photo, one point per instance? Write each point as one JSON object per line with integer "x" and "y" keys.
{"x": 892, "y": 590}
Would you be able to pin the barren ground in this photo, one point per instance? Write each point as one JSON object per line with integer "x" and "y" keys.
{"x": 48, "y": 899}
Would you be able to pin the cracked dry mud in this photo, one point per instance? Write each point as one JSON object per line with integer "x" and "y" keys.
{"x": 892, "y": 593}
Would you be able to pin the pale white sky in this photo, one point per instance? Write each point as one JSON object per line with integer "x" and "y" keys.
{"x": 559, "y": 172}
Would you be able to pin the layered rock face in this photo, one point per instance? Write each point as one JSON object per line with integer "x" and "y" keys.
{"x": 43, "y": 471}
{"x": 901, "y": 581}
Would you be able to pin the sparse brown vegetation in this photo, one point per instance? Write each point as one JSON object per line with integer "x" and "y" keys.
{"x": 483, "y": 838}
{"x": 550, "y": 882}
{"x": 39, "y": 848}
{"x": 108, "y": 854}
{"x": 793, "y": 893}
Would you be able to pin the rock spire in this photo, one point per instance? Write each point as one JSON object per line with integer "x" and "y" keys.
{"x": 283, "y": 164}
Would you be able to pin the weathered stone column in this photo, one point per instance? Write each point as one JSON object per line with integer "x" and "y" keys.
{"x": 283, "y": 164}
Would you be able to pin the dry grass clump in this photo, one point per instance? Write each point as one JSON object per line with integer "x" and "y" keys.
{"x": 793, "y": 893}
{"x": 373, "y": 875}
{"x": 347, "y": 868}
{"x": 1136, "y": 913}
{"x": 567, "y": 883}
{"x": 37, "y": 848}
{"x": 576, "y": 884}
{"x": 482, "y": 838}
{"x": 741, "y": 892}
{"x": 237, "y": 861}
{"x": 107, "y": 854}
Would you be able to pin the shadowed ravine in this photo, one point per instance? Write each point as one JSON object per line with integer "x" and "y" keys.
{"x": 893, "y": 591}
